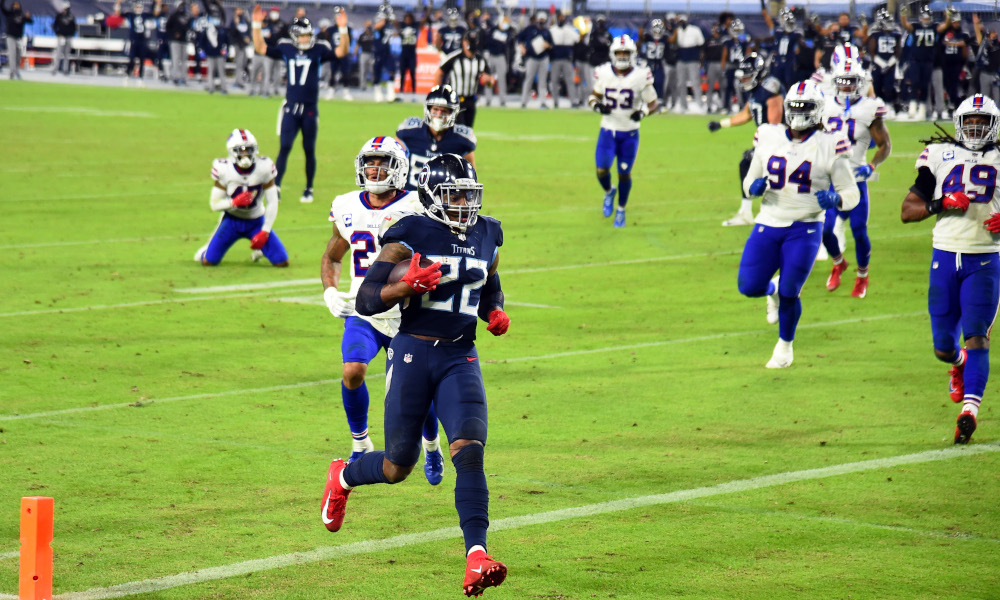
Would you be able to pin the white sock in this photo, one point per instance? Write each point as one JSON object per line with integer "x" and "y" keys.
{"x": 746, "y": 206}
{"x": 784, "y": 346}
{"x": 431, "y": 445}
{"x": 972, "y": 407}
{"x": 474, "y": 548}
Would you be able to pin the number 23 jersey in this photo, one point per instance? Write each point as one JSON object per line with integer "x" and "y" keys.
{"x": 958, "y": 169}
{"x": 625, "y": 93}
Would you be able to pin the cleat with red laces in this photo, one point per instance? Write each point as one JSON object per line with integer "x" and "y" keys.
{"x": 964, "y": 427}
{"x": 481, "y": 572}
{"x": 860, "y": 287}
{"x": 833, "y": 281}
{"x": 334, "y": 497}
{"x": 956, "y": 386}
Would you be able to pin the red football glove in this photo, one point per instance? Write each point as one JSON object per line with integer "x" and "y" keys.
{"x": 499, "y": 322}
{"x": 242, "y": 199}
{"x": 993, "y": 223}
{"x": 257, "y": 242}
{"x": 957, "y": 200}
{"x": 422, "y": 279}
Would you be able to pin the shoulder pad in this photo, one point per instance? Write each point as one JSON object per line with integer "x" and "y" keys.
{"x": 494, "y": 228}
{"x": 288, "y": 41}
{"x": 410, "y": 123}
{"x": 395, "y": 226}
{"x": 218, "y": 165}
{"x": 771, "y": 84}
{"x": 323, "y": 42}
{"x": 466, "y": 132}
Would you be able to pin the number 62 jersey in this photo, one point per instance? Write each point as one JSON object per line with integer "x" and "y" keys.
{"x": 625, "y": 93}
{"x": 958, "y": 169}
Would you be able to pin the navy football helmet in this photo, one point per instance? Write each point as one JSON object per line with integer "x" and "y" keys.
{"x": 445, "y": 97}
{"x": 302, "y": 26}
{"x": 450, "y": 192}
{"x": 751, "y": 71}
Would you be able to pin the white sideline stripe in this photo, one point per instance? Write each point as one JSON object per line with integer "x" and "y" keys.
{"x": 249, "y": 286}
{"x": 445, "y": 533}
{"x": 7, "y": 555}
{"x": 497, "y": 135}
{"x": 93, "y": 112}
{"x": 151, "y": 238}
{"x": 136, "y": 194}
{"x": 317, "y": 300}
{"x": 501, "y": 361}
{"x": 45, "y": 311}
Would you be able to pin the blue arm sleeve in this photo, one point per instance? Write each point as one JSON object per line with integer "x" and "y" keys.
{"x": 369, "y": 300}
{"x": 490, "y": 298}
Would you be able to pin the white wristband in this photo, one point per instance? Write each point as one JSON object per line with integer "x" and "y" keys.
{"x": 726, "y": 123}
{"x": 256, "y": 25}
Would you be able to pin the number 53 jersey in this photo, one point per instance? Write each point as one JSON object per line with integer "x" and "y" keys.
{"x": 957, "y": 169}
{"x": 358, "y": 222}
{"x": 795, "y": 171}
{"x": 625, "y": 93}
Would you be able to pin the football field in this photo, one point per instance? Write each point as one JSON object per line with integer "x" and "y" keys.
{"x": 184, "y": 417}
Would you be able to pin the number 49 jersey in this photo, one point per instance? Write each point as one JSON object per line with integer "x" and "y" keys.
{"x": 449, "y": 311}
{"x": 796, "y": 170}
{"x": 625, "y": 93}
{"x": 236, "y": 182}
{"x": 359, "y": 222}
{"x": 854, "y": 122}
{"x": 958, "y": 169}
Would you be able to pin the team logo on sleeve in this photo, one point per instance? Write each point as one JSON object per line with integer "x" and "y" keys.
{"x": 949, "y": 155}
{"x": 349, "y": 220}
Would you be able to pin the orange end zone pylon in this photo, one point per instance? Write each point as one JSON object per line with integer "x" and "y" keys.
{"x": 36, "y": 548}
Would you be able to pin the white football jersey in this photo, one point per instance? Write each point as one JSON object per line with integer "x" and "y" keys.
{"x": 358, "y": 223}
{"x": 956, "y": 168}
{"x": 627, "y": 93}
{"x": 264, "y": 171}
{"x": 855, "y": 122}
{"x": 796, "y": 170}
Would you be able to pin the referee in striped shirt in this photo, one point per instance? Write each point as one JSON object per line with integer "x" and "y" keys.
{"x": 464, "y": 71}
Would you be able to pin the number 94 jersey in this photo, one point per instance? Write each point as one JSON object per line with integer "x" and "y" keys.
{"x": 359, "y": 222}
{"x": 958, "y": 169}
{"x": 451, "y": 310}
{"x": 625, "y": 93}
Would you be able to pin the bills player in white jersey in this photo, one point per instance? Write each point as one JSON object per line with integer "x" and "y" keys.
{"x": 246, "y": 195}
{"x": 382, "y": 168}
{"x": 624, "y": 94}
{"x": 957, "y": 183}
{"x": 860, "y": 118}
{"x": 801, "y": 171}
{"x": 824, "y": 78}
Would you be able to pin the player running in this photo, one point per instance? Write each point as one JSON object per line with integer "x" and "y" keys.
{"x": 433, "y": 359}
{"x": 624, "y": 94}
{"x": 957, "y": 183}
{"x": 246, "y": 195}
{"x": 436, "y": 133}
{"x": 304, "y": 56}
{"x": 794, "y": 167}
{"x": 381, "y": 170}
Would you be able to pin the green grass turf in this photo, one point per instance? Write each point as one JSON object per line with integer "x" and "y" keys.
{"x": 105, "y": 210}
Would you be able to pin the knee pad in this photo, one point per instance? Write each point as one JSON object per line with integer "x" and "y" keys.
{"x": 469, "y": 459}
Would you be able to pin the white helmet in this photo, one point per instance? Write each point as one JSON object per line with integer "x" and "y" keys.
{"x": 849, "y": 78}
{"x": 623, "y": 52}
{"x": 395, "y": 167}
{"x": 975, "y": 136}
{"x": 242, "y": 147}
{"x": 843, "y": 52}
{"x": 803, "y": 105}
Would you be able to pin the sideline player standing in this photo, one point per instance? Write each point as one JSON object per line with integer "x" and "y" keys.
{"x": 303, "y": 56}
{"x": 436, "y": 133}
{"x": 624, "y": 94}
{"x": 242, "y": 181}
{"x": 794, "y": 167}
{"x": 381, "y": 169}
{"x": 957, "y": 182}
{"x": 433, "y": 360}
{"x": 764, "y": 99}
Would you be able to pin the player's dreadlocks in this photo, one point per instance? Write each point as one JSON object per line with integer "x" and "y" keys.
{"x": 941, "y": 136}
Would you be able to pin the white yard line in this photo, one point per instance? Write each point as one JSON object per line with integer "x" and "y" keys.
{"x": 6, "y": 555}
{"x": 700, "y": 338}
{"x": 136, "y": 194}
{"x": 46, "y": 311}
{"x": 80, "y": 110}
{"x": 613, "y": 506}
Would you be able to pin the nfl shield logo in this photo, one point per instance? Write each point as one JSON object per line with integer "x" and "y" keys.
{"x": 408, "y": 358}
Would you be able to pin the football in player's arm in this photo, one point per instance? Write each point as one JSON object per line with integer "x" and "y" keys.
{"x": 381, "y": 170}
{"x": 623, "y": 94}
{"x": 801, "y": 171}
{"x": 957, "y": 183}
{"x": 246, "y": 195}
{"x": 433, "y": 359}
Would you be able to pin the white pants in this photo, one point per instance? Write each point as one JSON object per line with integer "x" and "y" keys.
{"x": 562, "y": 70}
{"x": 533, "y": 67}
{"x": 498, "y": 66}
{"x": 216, "y": 68}
{"x": 688, "y": 73}
{"x": 62, "y": 54}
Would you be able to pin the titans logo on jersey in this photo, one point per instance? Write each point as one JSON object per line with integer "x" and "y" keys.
{"x": 769, "y": 88}
{"x": 451, "y": 310}
{"x": 304, "y": 68}
{"x": 416, "y": 136}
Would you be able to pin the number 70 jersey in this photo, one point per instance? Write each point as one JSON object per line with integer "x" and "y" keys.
{"x": 625, "y": 93}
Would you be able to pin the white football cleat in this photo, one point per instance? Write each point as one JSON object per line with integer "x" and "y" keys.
{"x": 347, "y": 95}
{"x": 256, "y": 255}
{"x": 740, "y": 218}
{"x": 307, "y": 196}
{"x": 200, "y": 253}
{"x": 378, "y": 92}
{"x": 782, "y": 355}
{"x": 772, "y": 304}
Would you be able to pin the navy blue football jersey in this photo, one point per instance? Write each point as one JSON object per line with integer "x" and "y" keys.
{"x": 652, "y": 50}
{"x": 758, "y": 98}
{"x": 140, "y": 26}
{"x": 922, "y": 41}
{"x": 451, "y": 38}
{"x": 304, "y": 68}
{"x": 449, "y": 311}
{"x": 785, "y": 44}
{"x": 886, "y": 43}
{"x": 416, "y": 136}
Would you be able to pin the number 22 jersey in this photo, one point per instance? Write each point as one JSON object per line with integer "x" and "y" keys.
{"x": 625, "y": 93}
{"x": 958, "y": 169}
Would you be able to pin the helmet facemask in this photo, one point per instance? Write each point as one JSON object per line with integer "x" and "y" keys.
{"x": 379, "y": 172}
{"x": 244, "y": 155}
{"x": 622, "y": 60}
{"x": 456, "y": 204}
{"x": 848, "y": 86}
{"x": 975, "y": 130}
{"x": 437, "y": 121}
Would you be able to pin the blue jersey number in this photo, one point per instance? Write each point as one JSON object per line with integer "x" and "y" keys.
{"x": 776, "y": 166}
{"x": 979, "y": 175}
{"x": 619, "y": 98}
{"x": 363, "y": 243}
{"x": 468, "y": 301}
{"x": 836, "y": 124}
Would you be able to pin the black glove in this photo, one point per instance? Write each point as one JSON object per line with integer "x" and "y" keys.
{"x": 714, "y": 126}
{"x": 602, "y": 108}
{"x": 637, "y": 116}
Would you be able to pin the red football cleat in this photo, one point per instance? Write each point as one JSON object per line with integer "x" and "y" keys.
{"x": 334, "y": 497}
{"x": 833, "y": 281}
{"x": 956, "y": 387}
{"x": 481, "y": 572}
{"x": 964, "y": 427}
{"x": 860, "y": 287}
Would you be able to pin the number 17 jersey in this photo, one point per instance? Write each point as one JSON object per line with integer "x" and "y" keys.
{"x": 625, "y": 93}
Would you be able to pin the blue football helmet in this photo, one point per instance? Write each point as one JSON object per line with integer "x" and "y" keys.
{"x": 450, "y": 191}
{"x": 751, "y": 71}
{"x": 302, "y": 26}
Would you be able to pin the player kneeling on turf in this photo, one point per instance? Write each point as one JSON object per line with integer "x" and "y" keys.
{"x": 245, "y": 193}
